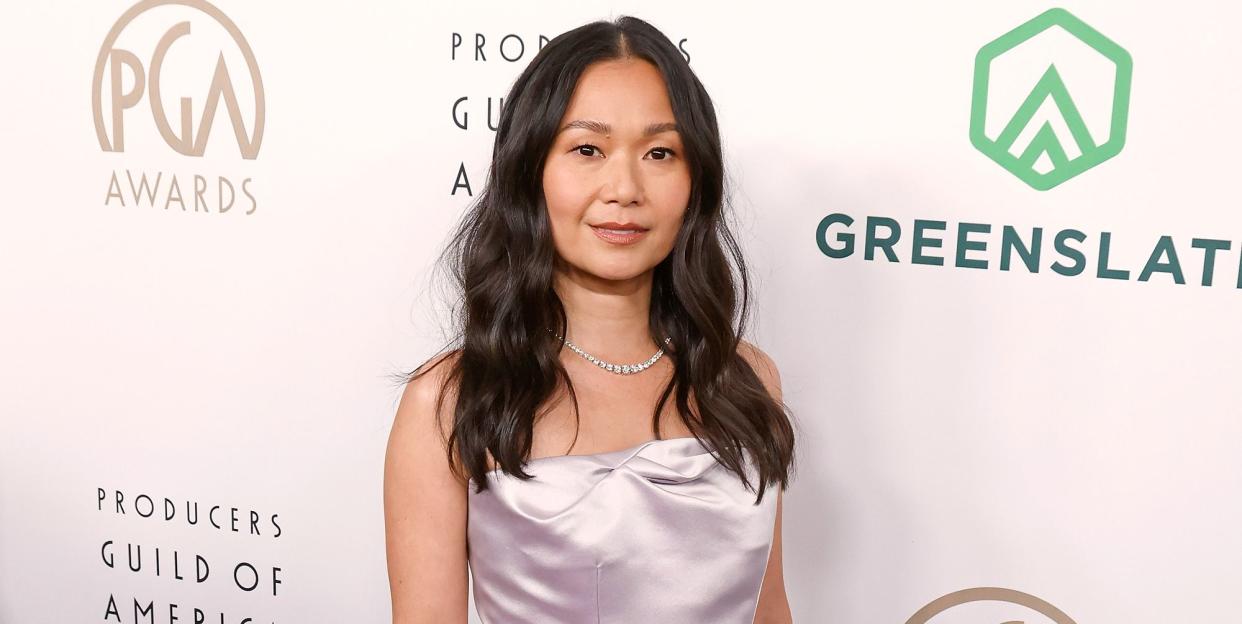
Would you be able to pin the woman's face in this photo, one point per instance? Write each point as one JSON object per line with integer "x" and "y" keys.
{"x": 617, "y": 158}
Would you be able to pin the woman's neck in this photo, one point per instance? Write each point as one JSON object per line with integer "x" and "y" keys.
{"x": 608, "y": 318}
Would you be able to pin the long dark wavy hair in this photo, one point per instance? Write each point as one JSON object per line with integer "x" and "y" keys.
{"x": 502, "y": 259}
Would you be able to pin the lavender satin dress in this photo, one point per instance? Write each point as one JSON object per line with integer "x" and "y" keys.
{"x": 657, "y": 533}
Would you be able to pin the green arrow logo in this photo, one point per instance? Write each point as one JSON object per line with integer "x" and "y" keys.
{"x": 1044, "y": 161}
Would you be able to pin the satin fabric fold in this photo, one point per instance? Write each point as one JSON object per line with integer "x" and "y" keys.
{"x": 657, "y": 533}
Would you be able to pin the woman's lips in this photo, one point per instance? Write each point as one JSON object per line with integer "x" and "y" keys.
{"x": 620, "y": 237}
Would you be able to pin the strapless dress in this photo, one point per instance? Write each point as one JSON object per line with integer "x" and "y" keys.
{"x": 657, "y": 533}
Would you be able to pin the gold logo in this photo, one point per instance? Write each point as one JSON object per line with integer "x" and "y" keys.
{"x": 996, "y": 594}
{"x": 187, "y": 139}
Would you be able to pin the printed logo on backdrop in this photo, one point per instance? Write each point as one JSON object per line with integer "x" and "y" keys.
{"x": 190, "y": 577}
{"x": 176, "y": 80}
{"x": 990, "y": 605}
{"x": 1051, "y": 99}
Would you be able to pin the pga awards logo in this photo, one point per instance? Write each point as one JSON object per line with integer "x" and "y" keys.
{"x": 988, "y": 605}
{"x": 177, "y": 80}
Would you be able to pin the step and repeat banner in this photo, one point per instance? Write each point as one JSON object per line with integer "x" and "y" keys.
{"x": 996, "y": 244}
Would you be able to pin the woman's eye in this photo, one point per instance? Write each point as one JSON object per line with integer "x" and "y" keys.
{"x": 586, "y": 149}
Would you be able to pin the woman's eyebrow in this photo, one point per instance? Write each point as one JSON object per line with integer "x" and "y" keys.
{"x": 600, "y": 127}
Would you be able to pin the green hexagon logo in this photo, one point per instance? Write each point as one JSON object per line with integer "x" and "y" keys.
{"x": 1022, "y": 114}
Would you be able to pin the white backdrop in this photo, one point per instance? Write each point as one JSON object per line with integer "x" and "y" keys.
{"x": 1069, "y": 437}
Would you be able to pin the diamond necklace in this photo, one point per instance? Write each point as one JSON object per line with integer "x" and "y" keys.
{"x": 620, "y": 369}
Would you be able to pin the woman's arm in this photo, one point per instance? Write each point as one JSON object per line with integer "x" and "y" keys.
{"x": 773, "y": 605}
{"x": 424, "y": 513}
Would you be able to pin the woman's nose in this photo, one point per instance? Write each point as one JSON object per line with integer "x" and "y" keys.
{"x": 622, "y": 182}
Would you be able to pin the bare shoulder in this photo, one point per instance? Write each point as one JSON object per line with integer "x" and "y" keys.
{"x": 425, "y": 506}
{"x": 424, "y": 415}
{"x": 763, "y": 366}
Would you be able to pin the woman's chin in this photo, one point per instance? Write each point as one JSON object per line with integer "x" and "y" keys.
{"x": 621, "y": 274}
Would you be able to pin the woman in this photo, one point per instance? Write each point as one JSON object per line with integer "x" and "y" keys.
{"x": 601, "y": 227}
